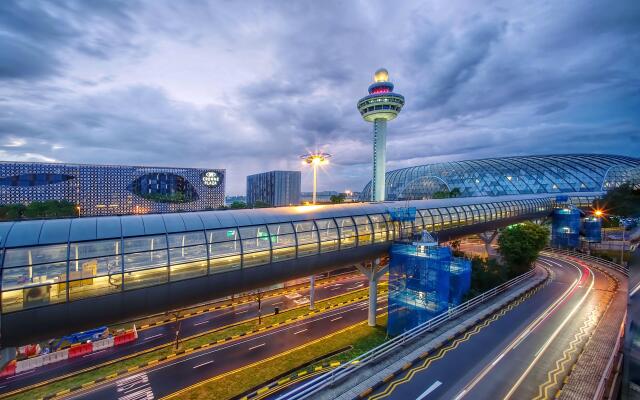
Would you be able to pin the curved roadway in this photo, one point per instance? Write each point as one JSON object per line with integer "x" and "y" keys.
{"x": 520, "y": 354}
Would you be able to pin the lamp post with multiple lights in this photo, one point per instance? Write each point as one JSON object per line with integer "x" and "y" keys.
{"x": 315, "y": 160}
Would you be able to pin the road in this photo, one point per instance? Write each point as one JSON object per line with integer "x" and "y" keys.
{"x": 159, "y": 335}
{"x": 514, "y": 355}
{"x": 166, "y": 379}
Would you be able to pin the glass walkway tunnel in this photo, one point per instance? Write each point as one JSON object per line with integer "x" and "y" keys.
{"x": 64, "y": 275}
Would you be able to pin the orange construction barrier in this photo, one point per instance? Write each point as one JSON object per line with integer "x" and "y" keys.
{"x": 9, "y": 369}
{"x": 78, "y": 350}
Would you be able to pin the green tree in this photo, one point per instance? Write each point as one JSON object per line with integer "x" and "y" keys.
{"x": 236, "y": 205}
{"x": 623, "y": 200}
{"x": 338, "y": 198}
{"x": 520, "y": 244}
{"x": 261, "y": 204}
{"x": 455, "y": 192}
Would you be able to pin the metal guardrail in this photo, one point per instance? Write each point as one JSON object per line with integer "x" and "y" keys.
{"x": 606, "y": 263}
{"x": 341, "y": 372}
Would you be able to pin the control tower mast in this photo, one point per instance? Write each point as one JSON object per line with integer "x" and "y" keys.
{"x": 380, "y": 106}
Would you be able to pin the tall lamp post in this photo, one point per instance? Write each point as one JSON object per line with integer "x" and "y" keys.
{"x": 315, "y": 160}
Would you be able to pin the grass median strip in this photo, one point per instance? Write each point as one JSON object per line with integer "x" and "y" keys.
{"x": 113, "y": 370}
{"x": 234, "y": 383}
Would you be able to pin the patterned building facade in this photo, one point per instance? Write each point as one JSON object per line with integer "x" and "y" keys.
{"x": 113, "y": 189}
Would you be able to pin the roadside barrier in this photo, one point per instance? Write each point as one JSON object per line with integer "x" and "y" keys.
{"x": 74, "y": 351}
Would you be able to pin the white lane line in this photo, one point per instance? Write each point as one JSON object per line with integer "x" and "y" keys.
{"x": 242, "y": 312}
{"x": 364, "y": 308}
{"x": 461, "y": 395}
{"x": 20, "y": 374}
{"x": 335, "y": 319}
{"x": 200, "y": 323}
{"x": 285, "y": 328}
{"x": 203, "y": 364}
{"x": 90, "y": 354}
{"x": 304, "y": 330}
{"x": 380, "y": 309}
{"x": 429, "y": 390}
{"x": 275, "y": 304}
{"x": 635, "y": 290}
{"x": 255, "y": 347}
{"x": 154, "y": 336}
{"x": 335, "y": 288}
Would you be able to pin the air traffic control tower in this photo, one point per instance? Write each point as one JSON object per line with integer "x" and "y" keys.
{"x": 380, "y": 106}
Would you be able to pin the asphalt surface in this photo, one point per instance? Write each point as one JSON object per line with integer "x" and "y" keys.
{"x": 510, "y": 357}
{"x": 165, "y": 379}
{"x": 163, "y": 334}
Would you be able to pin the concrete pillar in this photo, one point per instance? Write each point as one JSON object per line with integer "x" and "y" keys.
{"x": 488, "y": 238}
{"x": 373, "y": 272}
{"x": 312, "y": 292}
{"x": 379, "y": 159}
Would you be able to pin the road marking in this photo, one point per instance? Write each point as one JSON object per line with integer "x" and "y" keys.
{"x": 21, "y": 373}
{"x": 154, "y": 336}
{"x": 461, "y": 395}
{"x": 304, "y": 330}
{"x": 203, "y": 364}
{"x": 380, "y": 309}
{"x": 335, "y": 319}
{"x": 200, "y": 323}
{"x": 242, "y": 312}
{"x": 255, "y": 347}
{"x": 90, "y": 354}
{"x": 364, "y": 308}
{"x": 335, "y": 288}
{"x": 359, "y": 285}
{"x": 275, "y": 304}
{"x": 429, "y": 390}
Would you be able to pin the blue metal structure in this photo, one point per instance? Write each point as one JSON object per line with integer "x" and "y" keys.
{"x": 73, "y": 274}
{"x": 592, "y": 228}
{"x": 561, "y": 173}
{"x": 424, "y": 281}
{"x": 565, "y": 227}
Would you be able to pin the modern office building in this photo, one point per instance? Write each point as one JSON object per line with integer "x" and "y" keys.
{"x": 511, "y": 175}
{"x": 275, "y": 188}
{"x": 380, "y": 106}
{"x": 113, "y": 189}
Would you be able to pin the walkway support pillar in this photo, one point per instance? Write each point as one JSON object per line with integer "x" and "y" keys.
{"x": 373, "y": 271}
{"x": 488, "y": 238}
{"x": 312, "y": 292}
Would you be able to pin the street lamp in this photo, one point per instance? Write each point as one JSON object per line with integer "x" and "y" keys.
{"x": 315, "y": 159}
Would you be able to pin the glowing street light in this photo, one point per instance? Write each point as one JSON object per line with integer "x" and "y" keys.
{"x": 315, "y": 159}
{"x": 598, "y": 213}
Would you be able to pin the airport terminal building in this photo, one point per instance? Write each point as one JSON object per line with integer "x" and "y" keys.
{"x": 113, "y": 189}
{"x": 560, "y": 173}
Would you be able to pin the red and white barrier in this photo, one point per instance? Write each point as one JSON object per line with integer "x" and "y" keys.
{"x": 76, "y": 350}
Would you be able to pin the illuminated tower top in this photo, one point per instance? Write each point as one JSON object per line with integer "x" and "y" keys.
{"x": 381, "y": 103}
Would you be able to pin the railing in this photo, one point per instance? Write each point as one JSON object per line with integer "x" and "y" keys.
{"x": 389, "y": 346}
{"x": 606, "y": 263}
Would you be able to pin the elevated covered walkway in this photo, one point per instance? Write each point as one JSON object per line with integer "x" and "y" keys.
{"x": 64, "y": 275}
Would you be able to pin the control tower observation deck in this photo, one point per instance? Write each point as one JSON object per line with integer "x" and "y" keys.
{"x": 380, "y": 106}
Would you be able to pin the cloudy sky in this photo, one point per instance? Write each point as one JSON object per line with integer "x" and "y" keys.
{"x": 249, "y": 86}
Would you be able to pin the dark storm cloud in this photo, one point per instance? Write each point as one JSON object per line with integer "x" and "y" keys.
{"x": 122, "y": 81}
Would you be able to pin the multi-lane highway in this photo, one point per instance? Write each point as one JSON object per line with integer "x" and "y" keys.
{"x": 163, "y": 334}
{"x": 519, "y": 354}
{"x": 168, "y": 379}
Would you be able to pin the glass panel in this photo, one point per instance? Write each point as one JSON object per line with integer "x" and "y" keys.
{"x": 94, "y": 249}
{"x": 437, "y": 219}
{"x": 307, "y": 238}
{"x": 428, "y": 221}
{"x": 328, "y": 232}
{"x": 224, "y": 250}
{"x": 147, "y": 277}
{"x": 255, "y": 246}
{"x": 188, "y": 262}
{"x": 35, "y": 255}
{"x": 145, "y": 243}
{"x": 283, "y": 242}
{"x": 446, "y": 220}
{"x": 33, "y": 296}
{"x": 186, "y": 239}
{"x": 391, "y": 227}
{"x": 379, "y": 228}
{"x": 35, "y": 275}
{"x": 149, "y": 259}
{"x": 365, "y": 232}
{"x": 94, "y": 276}
{"x": 347, "y": 232}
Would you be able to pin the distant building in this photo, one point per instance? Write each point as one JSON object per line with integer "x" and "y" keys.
{"x": 275, "y": 188}
{"x": 113, "y": 189}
